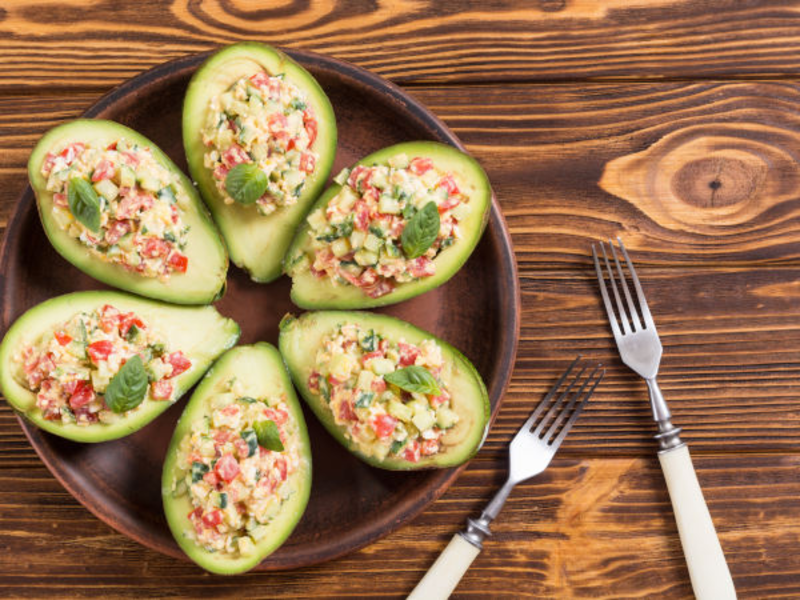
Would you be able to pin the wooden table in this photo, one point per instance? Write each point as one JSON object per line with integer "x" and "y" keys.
{"x": 675, "y": 125}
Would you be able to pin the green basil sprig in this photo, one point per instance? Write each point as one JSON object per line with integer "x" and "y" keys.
{"x": 414, "y": 379}
{"x": 268, "y": 435}
{"x": 421, "y": 231}
{"x": 128, "y": 387}
{"x": 84, "y": 203}
{"x": 246, "y": 183}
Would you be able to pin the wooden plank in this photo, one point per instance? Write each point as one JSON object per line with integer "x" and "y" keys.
{"x": 688, "y": 174}
{"x": 56, "y": 43}
{"x": 597, "y": 528}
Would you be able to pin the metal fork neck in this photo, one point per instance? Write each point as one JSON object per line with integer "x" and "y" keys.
{"x": 668, "y": 435}
{"x": 478, "y": 529}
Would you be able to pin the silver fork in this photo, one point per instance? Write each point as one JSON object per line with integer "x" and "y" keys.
{"x": 529, "y": 454}
{"x": 640, "y": 349}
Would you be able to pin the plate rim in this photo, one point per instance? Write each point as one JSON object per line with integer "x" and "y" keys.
{"x": 496, "y": 227}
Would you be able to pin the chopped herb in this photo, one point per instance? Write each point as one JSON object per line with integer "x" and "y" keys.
{"x": 376, "y": 231}
{"x": 249, "y": 436}
{"x": 368, "y": 341}
{"x": 133, "y": 332}
{"x": 170, "y": 237}
{"x": 198, "y": 470}
{"x": 223, "y": 500}
{"x": 248, "y": 399}
{"x": 396, "y": 446}
{"x": 297, "y": 104}
{"x": 364, "y": 399}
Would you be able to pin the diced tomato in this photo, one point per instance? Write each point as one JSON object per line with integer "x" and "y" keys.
{"x": 396, "y": 229}
{"x": 447, "y": 182}
{"x": 282, "y": 138}
{"x": 368, "y": 278}
{"x": 132, "y": 204}
{"x": 195, "y": 514}
{"x": 277, "y": 415}
{"x": 116, "y": 230}
{"x": 60, "y": 200}
{"x": 84, "y": 415}
{"x": 313, "y": 382}
{"x": 242, "y": 448}
{"x": 127, "y": 321}
{"x": 62, "y": 338}
{"x": 307, "y": 162}
{"x": 221, "y": 172}
{"x": 70, "y": 386}
{"x": 112, "y": 146}
{"x": 175, "y": 216}
{"x": 130, "y": 159}
{"x": 411, "y": 452}
{"x": 378, "y": 385}
{"x": 223, "y": 436}
{"x": 280, "y": 464}
{"x": 361, "y": 218}
{"x": 179, "y": 262}
{"x": 83, "y": 395}
{"x": 359, "y": 173}
{"x": 104, "y": 170}
{"x": 439, "y": 400}
{"x": 384, "y": 425}
{"x": 100, "y": 350}
{"x": 370, "y": 355}
{"x": 227, "y": 467}
{"x": 381, "y": 288}
{"x": 408, "y": 354}
{"x": 420, "y": 166}
{"x": 71, "y": 152}
{"x": 346, "y": 412}
{"x": 179, "y": 363}
{"x": 421, "y": 267}
{"x": 260, "y": 79}
{"x": 212, "y": 519}
{"x": 109, "y": 318}
{"x": 274, "y": 88}
{"x": 312, "y": 129}
{"x": 235, "y": 155}
{"x": 277, "y": 122}
{"x": 49, "y": 161}
{"x": 161, "y": 390}
{"x": 291, "y": 144}
{"x": 333, "y": 381}
{"x": 154, "y": 247}
{"x": 211, "y": 478}
{"x": 429, "y": 447}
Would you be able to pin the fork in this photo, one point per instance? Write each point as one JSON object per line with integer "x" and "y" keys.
{"x": 640, "y": 349}
{"x": 529, "y": 454}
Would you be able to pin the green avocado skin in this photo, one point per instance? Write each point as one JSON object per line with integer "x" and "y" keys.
{"x": 300, "y": 339}
{"x": 204, "y": 279}
{"x": 256, "y": 243}
{"x": 200, "y": 332}
{"x": 312, "y": 293}
{"x": 260, "y": 369}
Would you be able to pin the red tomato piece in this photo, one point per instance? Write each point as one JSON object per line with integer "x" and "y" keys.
{"x": 307, "y": 162}
{"x": 312, "y": 129}
{"x": 212, "y": 519}
{"x": 131, "y": 204}
{"x": 333, "y": 381}
{"x": 260, "y": 79}
{"x": 420, "y": 166}
{"x": 280, "y": 464}
{"x": 429, "y": 447}
{"x": 439, "y": 400}
{"x": 154, "y": 247}
{"x": 313, "y": 382}
{"x": 451, "y": 202}
{"x": 359, "y": 173}
{"x": 227, "y": 467}
{"x": 161, "y": 390}
{"x": 384, "y": 425}
{"x": 112, "y": 146}
{"x": 211, "y": 479}
{"x": 84, "y": 415}
{"x": 71, "y": 152}
{"x": 83, "y": 395}
{"x": 130, "y": 159}
{"x": 242, "y": 449}
{"x": 447, "y": 182}
{"x": 411, "y": 452}
{"x": 60, "y": 200}
{"x": 277, "y": 122}
{"x": 116, "y": 230}
{"x": 378, "y": 386}
{"x": 100, "y": 350}
{"x": 104, "y": 170}
{"x": 368, "y": 278}
{"x": 408, "y": 354}
{"x": 62, "y": 338}
{"x": 179, "y": 363}
{"x": 370, "y": 355}
{"x": 49, "y": 161}
{"x": 127, "y": 321}
{"x": 421, "y": 267}
{"x": 221, "y": 172}
{"x": 361, "y": 212}
{"x": 381, "y": 288}
{"x": 346, "y": 412}
{"x": 195, "y": 514}
{"x": 235, "y": 155}
{"x": 279, "y": 416}
{"x": 179, "y": 262}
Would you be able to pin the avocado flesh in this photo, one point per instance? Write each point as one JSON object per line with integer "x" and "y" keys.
{"x": 204, "y": 279}
{"x": 311, "y": 292}
{"x": 300, "y": 339}
{"x": 256, "y": 243}
{"x": 201, "y": 333}
{"x": 260, "y": 369}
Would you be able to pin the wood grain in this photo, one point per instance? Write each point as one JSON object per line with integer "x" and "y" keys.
{"x": 62, "y": 43}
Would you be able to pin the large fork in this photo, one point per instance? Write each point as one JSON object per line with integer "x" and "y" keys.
{"x": 530, "y": 452}
{"x": 640, "y": 349}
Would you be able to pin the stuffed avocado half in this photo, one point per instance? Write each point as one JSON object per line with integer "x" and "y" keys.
{"x": 401, "y": 222}
{"x": 237, "y": 475}
{"x": 394, "y": 395}
{"x": 96, "y": 366}
{"x": 115, "y": 206}
{"x": 260, "y": 139}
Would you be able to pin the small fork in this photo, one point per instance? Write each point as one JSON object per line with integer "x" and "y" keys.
{"x": 529, "y": 454}
{"x": 640, "y": 348}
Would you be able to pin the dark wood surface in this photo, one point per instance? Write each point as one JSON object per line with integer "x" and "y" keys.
{"x": 592, "y": 120}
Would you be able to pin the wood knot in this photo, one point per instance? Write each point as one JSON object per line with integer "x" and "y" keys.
{"x": 704, "y": 177}
{"x": 552, "y": 5}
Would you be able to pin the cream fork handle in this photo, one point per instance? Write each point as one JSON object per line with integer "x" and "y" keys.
{"x": 443, "y": 577}
{"x": 711, "y": 579}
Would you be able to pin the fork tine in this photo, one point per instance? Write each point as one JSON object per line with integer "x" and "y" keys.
{"x": 637, "y": 326}
{"x": 555, "y": 407}
{"x": 623, "y": 316}
{"x": 541, "y": 406}
{"x": 646, "y": 316}
{"x": 566, "y": 410}
{"x": 612, "y": 318}
{"x": 576, "y": 413}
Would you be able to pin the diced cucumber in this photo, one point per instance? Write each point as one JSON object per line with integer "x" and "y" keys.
{"x": 126, "y": 242}
{"x": 446, "y": 418}
{"x": 372, "y": 243}
{"x": 423, "y": 419}
{"x": 246, "y": 545}
{"x": 149, "y": 183}
{"x": 107, "y": 189}
{"x": 399, "y": 410}
{"x": 293, "y": 178}
{"x": 345, "y": 199}
{"x": 388, "y": 205}
{"x": 357, "y": 239}
{"x": 381, "y": 366}
{"x": 379, "y": 179}
{"x": 340, "y": 247}
{"x": 341, "y": 366}
{"x": 365, "y": 378}
{"x": 399, "y": 161}
{"x": 317, "y": 220}
{"x": 341, "y": 177}
{"x": 127, "y": 176}
{"x": 167, "y": 194}
{"x": 365, "y": 258}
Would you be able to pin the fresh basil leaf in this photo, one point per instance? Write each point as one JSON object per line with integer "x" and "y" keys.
{"x": 128, "y": 387}
{"x": 246, "y": 183}
{"x": 84, "y": 203}
{"x": 414, "y": 379}
{"x": 198, "y": 470}
{"x": 249, "y": 436}
{"x": 268, "y": 435}
{"x": 421, "y": 231}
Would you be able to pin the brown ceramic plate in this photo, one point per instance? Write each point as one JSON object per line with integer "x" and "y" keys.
{"x": 351, "y": 503}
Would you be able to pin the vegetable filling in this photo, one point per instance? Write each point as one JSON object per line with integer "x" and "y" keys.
{"x": 386, "y": 225}
{"x": 259, "y": 134}
{"x": 390, "y": 397}
{"x": 100, "y": 366}
{"x": 236, "y": 466}
{"x": 122, "y": 204}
